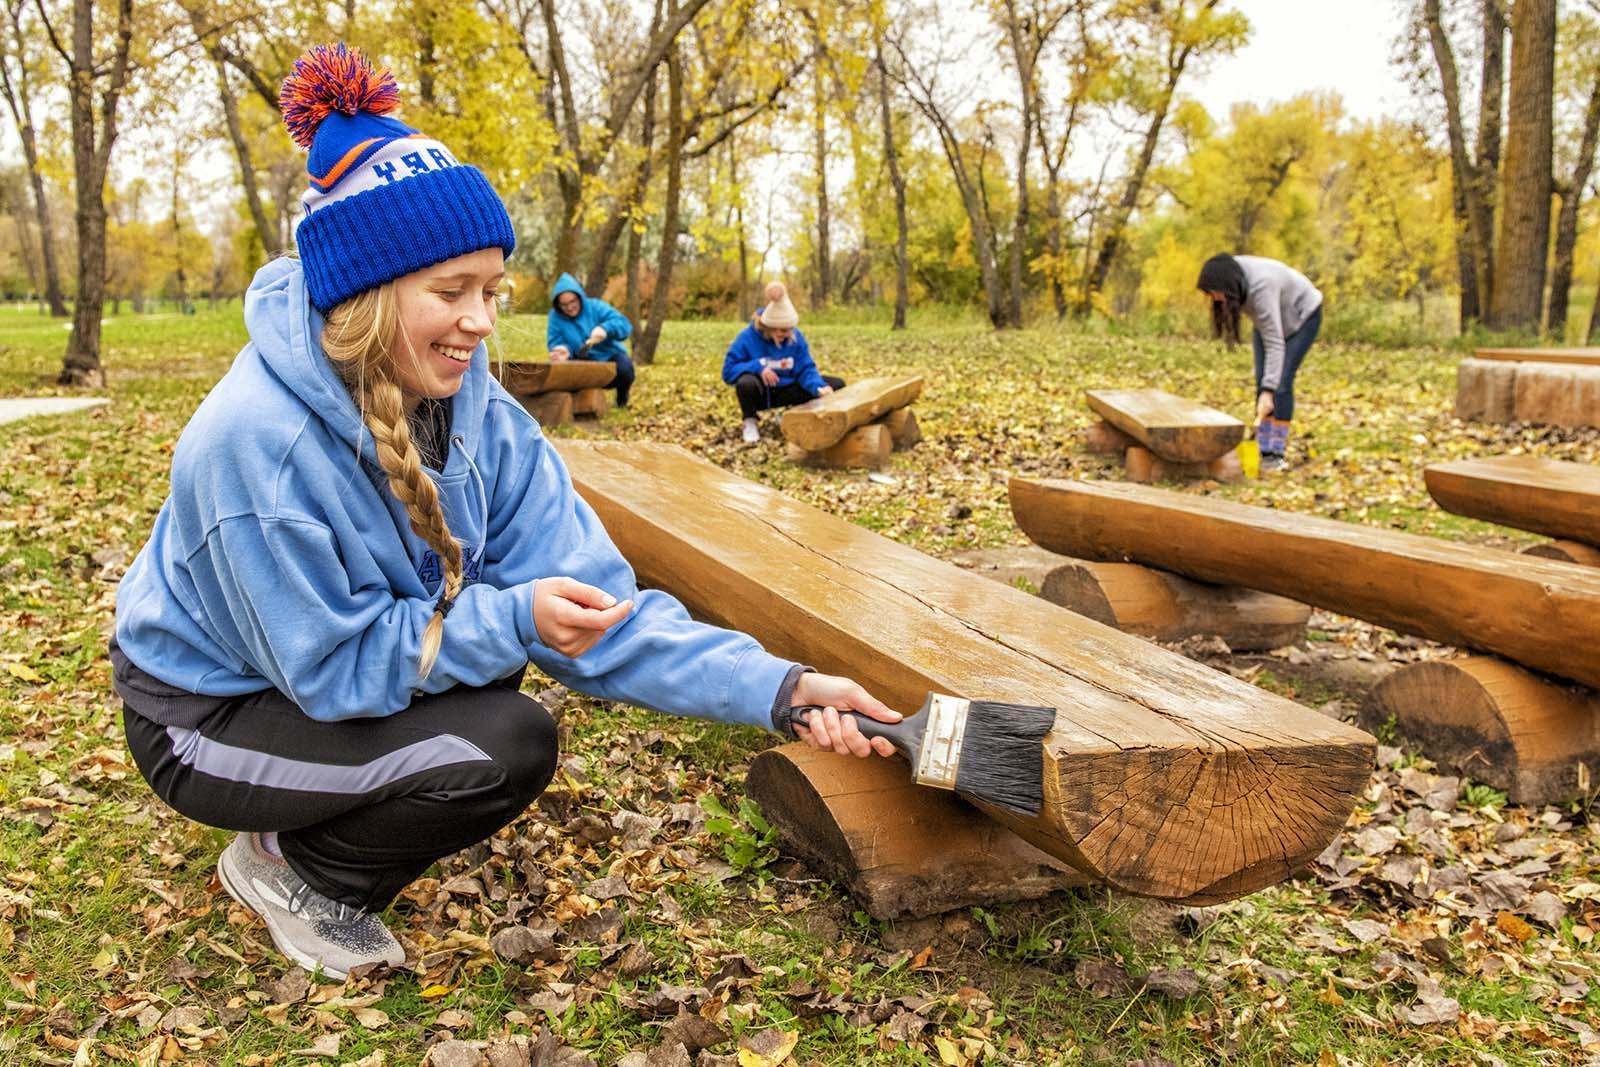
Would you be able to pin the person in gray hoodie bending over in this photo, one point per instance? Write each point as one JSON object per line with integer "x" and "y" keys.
{"x": 1286, "y": 310}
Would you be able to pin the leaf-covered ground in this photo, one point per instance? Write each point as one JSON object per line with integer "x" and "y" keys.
{"x": 641, "y": 913}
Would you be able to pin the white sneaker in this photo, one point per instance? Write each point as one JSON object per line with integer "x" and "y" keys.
{"x": 307, "y": 927}
{"x": 752, "y": 432}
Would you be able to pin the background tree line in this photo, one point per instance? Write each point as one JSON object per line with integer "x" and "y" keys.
{"x": 1034, "y": 158}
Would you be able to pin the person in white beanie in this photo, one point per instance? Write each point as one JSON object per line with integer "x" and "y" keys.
{"x": 769, "y": 364}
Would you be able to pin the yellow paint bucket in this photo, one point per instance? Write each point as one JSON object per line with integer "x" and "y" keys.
{"x": 1249, "y": 457}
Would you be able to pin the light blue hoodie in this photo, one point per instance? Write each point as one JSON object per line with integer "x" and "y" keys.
{"x": 281, "y": 560}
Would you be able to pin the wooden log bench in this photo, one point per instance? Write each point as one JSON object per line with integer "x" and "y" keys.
{"x": 1573, "y": 356}
{"x": 1566, "y": 552}
{"x": 1543, "y": 496}
{"x": 1163, "y": 437}
{"x": 1545, "y": 393}
{"x": 1542, "y": 614}
{"x": 1162, "y": 777}
{"x": 857, "y": 426}
{"x": 1164, "y": 606}
{"x": 1534, "y": 739}
{"x": 555, "y": 392}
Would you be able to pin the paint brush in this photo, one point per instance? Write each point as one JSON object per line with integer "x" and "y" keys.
{"x": 988, "y": 750}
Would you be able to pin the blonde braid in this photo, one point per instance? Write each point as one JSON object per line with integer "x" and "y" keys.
{"x": 384, "y": 410}
{"x": 357, "y": 339}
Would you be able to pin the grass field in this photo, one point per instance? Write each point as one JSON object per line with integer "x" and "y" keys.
{"x": 118, "y": 945}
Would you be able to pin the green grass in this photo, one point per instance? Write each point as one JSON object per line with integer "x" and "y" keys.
{"x": 105, "y": 896}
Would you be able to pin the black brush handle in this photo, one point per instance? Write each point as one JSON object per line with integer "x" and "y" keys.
{"x": 905, "y": 736}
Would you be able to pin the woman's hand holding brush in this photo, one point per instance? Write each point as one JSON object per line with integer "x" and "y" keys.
{"x": 827, "y": 729}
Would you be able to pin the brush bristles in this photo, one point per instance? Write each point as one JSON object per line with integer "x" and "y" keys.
{"x": 1002, "y": 755}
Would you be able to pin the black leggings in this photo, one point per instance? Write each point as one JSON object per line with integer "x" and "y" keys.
{"x": 361, "y": 806}
{"x": 755, "y": 395}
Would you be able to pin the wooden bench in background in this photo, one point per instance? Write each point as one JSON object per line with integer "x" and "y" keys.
{"x": 1163, "y": 437}
{"x": 857, "y": 426}
{"x": 556, "y": 392}
{"x": 1495, "y": 386}
{"x": 1544, "y": 496}
{"x": 1539, "y": 614}
{"x": 1163, "y": 777}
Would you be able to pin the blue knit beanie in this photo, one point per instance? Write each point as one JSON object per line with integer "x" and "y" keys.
{"x": 384, "y": 200}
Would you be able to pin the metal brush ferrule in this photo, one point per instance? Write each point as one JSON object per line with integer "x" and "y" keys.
{"x": 941, "y": 741}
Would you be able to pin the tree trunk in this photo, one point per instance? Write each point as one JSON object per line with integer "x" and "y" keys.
{"x": 738, "y": 221}
{"x": 18, "y": 97}
{"x": 644, "y": 351}
{"x": 1466, "y": 257}
{"x": 1571, "y": 194}
{"x": 91, "y": 153}
{"x": 271, "y": 241}
{"x": 891, "y": 156}
{"x": 177, "y": 231}
{"x": 824, "y": 286}
{"x": 1526, "y": 180}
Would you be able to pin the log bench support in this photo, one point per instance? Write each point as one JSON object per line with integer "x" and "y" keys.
{"x": 1495, "y": 723}
{"x": 1550, "y": 394}
{"x": 554, "y": 392}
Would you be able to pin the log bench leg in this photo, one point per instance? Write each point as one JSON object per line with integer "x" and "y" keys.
{"x": 902, "y": 427}
{"x": 1495, "y": 722}
{"x": 1167, "y": 607}
{"x": 595, "y": 402}
{"x": 1145, "y": 467}
{"x": 900, "y": 849}
{"x": 865, "y": 446}
{"x": 1104, "y": 439}
{"x": 549, "y": 409}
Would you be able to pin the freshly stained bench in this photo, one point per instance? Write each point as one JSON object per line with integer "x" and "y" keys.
{"x": 1162, "y": 777}
{"x": 857, "y": 426}
{"x": 1544, "y": 496}
{"x": 556, "y": 391}
{"x": 1175, "y": 429}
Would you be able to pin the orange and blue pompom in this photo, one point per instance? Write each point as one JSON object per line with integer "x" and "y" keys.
{"x": 333, "y": 78}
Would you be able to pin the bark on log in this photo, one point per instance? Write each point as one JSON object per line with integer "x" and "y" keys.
{"x": 937, "y": 852}
{"x": 1486, "y": 391}
{"x": 1177, "y": 430}
{"x": 1544, "y": 496}
{"x": 1566, "y": 552}
{"x": 1163, "y": 777}
{"x": 1104, "y": 439}
{"x": 1168, "y": 607}
{"x": 1496, "y": 722}
{"x": 595, "y": 402}
{"x": 549, "y": 409}
{"x": 1582, "y": 356}
{"x": 1543, "y": 614}
{"x": 866, "y": 447}
{"x": 903, "y": 428}
{"x": 523, "y": 379}
{"x": 822, "y": 422}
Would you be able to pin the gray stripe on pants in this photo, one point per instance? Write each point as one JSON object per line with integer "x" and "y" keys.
{"x": 236, "y": 764}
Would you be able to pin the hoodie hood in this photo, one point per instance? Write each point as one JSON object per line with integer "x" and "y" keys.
{"x": 286, "y": 332}
{"x": 567, "y": 284}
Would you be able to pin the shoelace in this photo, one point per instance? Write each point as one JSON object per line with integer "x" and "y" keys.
{"x": 338, "y": 911}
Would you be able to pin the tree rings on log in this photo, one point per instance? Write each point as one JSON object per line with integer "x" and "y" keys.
{"x": 1166, "y": 607}
{"x": 900, "y": 849}
{"x": 1496, "y": 723}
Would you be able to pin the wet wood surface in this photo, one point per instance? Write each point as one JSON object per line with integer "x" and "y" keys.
{"x": 1540, "y": 613}
{"x": 1545, "y": 496}
{"x": 1162, "y": 777}
{"x": 1175, "y": 429}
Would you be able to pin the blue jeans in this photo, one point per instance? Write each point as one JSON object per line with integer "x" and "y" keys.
{"x": 624, "y": 379}
{"x": 1295, "y": 347}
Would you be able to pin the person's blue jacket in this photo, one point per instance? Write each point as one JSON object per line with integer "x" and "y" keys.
{"x": 560, "y": 330}
{"x": 750, "y": 353}
{"x": 281, "y": 559}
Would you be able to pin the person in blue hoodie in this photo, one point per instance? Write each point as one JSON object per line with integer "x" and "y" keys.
{"x": 367, "y": 541}
{"x": 580, "y": 326}
{"x": 769, "y": 364}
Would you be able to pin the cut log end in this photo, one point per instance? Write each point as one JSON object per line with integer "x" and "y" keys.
{"x": 1566, "y": 552}
{"x": 901, "y": 850}
{"x": 1494, "y": 722}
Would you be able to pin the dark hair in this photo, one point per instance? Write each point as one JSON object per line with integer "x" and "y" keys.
{"x": 1222, "y": 274}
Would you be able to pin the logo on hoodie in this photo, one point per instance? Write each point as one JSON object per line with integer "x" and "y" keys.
{"x": 431, "y": 571}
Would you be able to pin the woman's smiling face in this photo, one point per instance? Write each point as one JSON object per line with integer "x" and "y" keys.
{"x": 446, "y": 310}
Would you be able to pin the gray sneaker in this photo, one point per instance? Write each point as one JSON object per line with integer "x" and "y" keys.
{"x": 310, "y": 929}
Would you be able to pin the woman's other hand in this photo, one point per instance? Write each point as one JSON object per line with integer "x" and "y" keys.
{"x": 769, "y": 376}
{"x": 572, "y": 617}
{"x": 825, "y": 390}
{"x": 559, "y": 353}
{"x": 1264, "y": 405}
{"x": 839, "y": 733}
